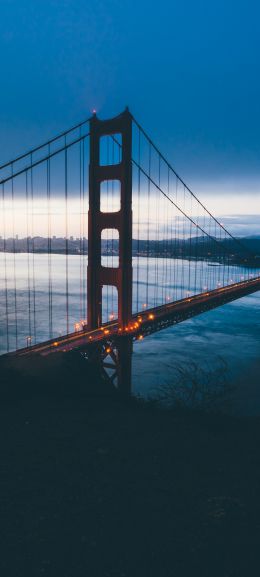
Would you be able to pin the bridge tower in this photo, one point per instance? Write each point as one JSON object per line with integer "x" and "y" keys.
{"x": 98, "y": 275}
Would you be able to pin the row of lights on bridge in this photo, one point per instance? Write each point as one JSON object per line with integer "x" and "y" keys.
{"x": 79, "y": 326}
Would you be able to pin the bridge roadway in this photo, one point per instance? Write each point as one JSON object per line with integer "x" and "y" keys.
{"x": 145, "y": 322}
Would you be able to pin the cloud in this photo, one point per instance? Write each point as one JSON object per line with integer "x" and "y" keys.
{"x": 242, "y": 225}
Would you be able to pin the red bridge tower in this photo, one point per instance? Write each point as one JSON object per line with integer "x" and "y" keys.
{"x": 120, "y": 351}
{"x": 99, "y": 275}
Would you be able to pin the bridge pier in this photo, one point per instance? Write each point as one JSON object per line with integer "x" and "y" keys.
{"x": 125, "y": 351}
{"x": 114, "y": 361}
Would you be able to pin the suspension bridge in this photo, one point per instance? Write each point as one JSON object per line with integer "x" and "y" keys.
{"x": 102, "y": 243}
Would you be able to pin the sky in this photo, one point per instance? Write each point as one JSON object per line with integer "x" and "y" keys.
{"x": 189, "y": 72}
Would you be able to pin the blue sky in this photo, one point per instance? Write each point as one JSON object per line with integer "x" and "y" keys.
{"x": 189, "y": 72}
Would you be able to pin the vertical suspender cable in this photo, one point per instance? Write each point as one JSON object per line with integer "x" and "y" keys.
{"x": 14, "y": 263}
{"x": 5, "y": 273}
{"x": 28, "y": 258}
{"x": 138, "y": 219}
{"x": 33, "y": 255}
{"x": 80, "y": 231}
{"x": 148, "y": 227}
{"x": 49, "y": 246}
{"x": 66, "y": 238}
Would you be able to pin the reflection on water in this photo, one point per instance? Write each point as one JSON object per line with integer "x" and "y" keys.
{"x": 43, "y": 296}
{"x": 228, "y": 336}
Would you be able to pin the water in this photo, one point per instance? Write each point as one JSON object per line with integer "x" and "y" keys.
{"x": 221, "y": 346}
{"x": 216, "y": 354}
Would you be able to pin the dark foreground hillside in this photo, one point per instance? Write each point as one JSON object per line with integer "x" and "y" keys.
{"x": 92, "y": 486}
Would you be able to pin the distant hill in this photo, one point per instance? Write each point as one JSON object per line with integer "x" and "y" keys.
{"x": 194, "y": 247}
{"x": 252, "y": 243}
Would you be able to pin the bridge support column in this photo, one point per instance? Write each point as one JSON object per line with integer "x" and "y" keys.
{"x": 113, "y": 359}
{"x": 118, "y": 129}
{"x": 98, "y": 275}
{"x": 124, "y": 370}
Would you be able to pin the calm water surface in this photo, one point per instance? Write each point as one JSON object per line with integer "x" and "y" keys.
{"x": 224, "y": 343}
{"x": 221, "y": 348}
